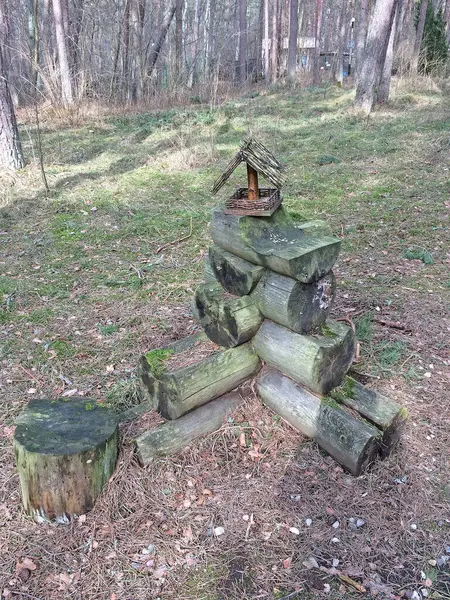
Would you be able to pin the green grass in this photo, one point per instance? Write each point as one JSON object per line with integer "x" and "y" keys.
{"x": 419, "y": 254}
{"x": 107, "y": 329}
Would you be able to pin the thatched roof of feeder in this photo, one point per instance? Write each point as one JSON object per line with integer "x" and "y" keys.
{"x": 259, "y": 158}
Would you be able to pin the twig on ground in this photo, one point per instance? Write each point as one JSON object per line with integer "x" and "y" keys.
{"x": 139, "y": 273}
{"x": 393, "y": 324}
{"x": 353, "y": 583}
{"x": 30, "y": 374}
{"x": 182, "y": 239}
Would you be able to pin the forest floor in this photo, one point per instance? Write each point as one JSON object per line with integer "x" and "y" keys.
{"x": 87, "y": 285}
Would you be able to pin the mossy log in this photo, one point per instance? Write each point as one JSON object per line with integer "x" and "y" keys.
{"x": 176, "y": 391}
{"x": 171, "y": 437}
{"x": 227, "y": 321}
{"x": 351, "y": 442}
{"x": 298, "y": 306}
{"x": 208, "y": 273}
{"x": 236, "y": 275}
{"x": 304, "y": 251}
{"x": 65, "y": 453}
{"x": 383, "y": 412}
{"x": 319, "y": 362}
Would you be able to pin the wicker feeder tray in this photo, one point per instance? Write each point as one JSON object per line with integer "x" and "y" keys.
{"x": 267, "y": 203}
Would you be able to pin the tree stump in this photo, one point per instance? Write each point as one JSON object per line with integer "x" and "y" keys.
{"x": 65, "y": 452}
{"x": 300, "y": 307}
{"x": 178, "y": 380}
{"x": 352, "y": 442}
{"x": 236, "y": 275}
{"x": 319, "y": 362}
{"x": 171, "y": 437}
{"x": 383, "y": 412}
{"x": 303, "y": 251}
{"x": 227, "y": 320}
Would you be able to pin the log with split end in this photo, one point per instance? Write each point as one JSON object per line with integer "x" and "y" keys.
{"x": 319, "y": 362}
{"x": 351, "y": 442}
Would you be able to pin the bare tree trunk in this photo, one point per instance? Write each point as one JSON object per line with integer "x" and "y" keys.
{"x": 361, "y": 34}
{"x": 274, "y": 44}
{"x": 179, "y": 39}
{"x": 11, "y": 155}
{"x": 419, "y": 36}
{"x": 316, "y": 72}
{"x": 160, "y": 41}
{"x": 266, "y": 41}
{"x": 126, "y": 49}
{"x": 66, "y": 82}
{"x": 242, "y": 57}
{"x": 293, "y": 38}
{"x": 385, "y": 83}
{"x": 378, "y": 34}
{"x": 342, "y": 33}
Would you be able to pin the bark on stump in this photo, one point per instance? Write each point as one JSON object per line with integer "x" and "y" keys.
{"x": 383, "y": 412}
{"x": 319, "y": 362}
{"x": 65, "y": 453}
{"x": 227, "y": 321}
{"x": 300, "y": 307}
{"x": 176, "y": 391}
{"x": 304, "y": 251}
{"x": 352, "y": 442}
{"x": 236, "y": 275}
{"x": 171, "y": 437}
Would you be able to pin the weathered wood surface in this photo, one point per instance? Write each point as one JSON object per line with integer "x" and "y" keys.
{"x": 145, "y": 388}
{"x": 171, "y": 437}
{"x": 300, "y": 307}
{"x": 178, "y": 391}
{"x": 65, "y": 453}
{"x": 386, "y": 414}
{"x": 352, "y": 442}
{"x": 236, "y": 275}
{"x": 319, "y": 362}
{"x": 304, "y": 251}
{"x": 227, "y": 321}
{"x": 209, "y": 275}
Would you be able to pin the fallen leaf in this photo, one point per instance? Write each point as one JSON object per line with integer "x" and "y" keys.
{"x": 287, "y": 563}
{"x": 27, "y": 564}
{"x": 311, "y": 563}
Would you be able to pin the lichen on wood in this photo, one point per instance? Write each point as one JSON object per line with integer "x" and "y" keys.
{"x": 65, "y": 451}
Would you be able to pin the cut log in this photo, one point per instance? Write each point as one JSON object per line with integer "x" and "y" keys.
{"x": 65, "y": 453}
{"x": 318, "y": 362}
{"x": 177, "y": 389}
{"x": 227, "y": 320}
{"x": 352, "y": 442}
{"x": 236, "y": 275}
{"x": 298, "y": 306}
{"x": 383, "y": 412}
{"x": 171, "y": 437}
{"x": 209, "y": 275}
{"x": 186, "y": 344}
{"x": 304, "y": 251}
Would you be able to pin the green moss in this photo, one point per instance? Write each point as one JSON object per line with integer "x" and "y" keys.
{"x": 156, "y": 359}
{"x": 330, "y": 400}
{"x": 327, "y": 331}
{"x": 347, "y": 390}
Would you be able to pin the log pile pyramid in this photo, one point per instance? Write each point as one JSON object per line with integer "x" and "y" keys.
{"x": 265, "y": 306}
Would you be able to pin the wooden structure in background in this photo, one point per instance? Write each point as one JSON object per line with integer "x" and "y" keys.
{"x": 254, "y": 200}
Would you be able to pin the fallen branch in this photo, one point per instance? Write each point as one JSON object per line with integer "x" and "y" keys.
{"x": 353, "y": 583}
{"x": 182, "y": 239}
{"x": 392, "y": 324}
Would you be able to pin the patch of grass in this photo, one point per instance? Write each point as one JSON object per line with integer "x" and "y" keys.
{"x": 63, "y": 349}
{"x": 41, "y": 316}
{"x": 328, "y": 160}
{"x": 364, "y": 327}
{"x": 124, "y": 394}
{"x": 389, "y": 353}
{"x": 419, "y": 254}
{"x": 107, "y": 329}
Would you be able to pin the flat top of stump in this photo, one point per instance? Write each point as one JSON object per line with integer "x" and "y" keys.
{"x": 64, "y": 426}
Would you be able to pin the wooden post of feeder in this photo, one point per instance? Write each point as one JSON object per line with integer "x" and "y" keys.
{"x": 253, "y": 189}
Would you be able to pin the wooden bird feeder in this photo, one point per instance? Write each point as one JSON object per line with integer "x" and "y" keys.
{"x": 253, "y": 200}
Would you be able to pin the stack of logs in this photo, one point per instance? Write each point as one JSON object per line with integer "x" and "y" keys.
{"x": 267, "y": 296}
